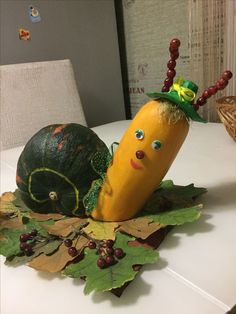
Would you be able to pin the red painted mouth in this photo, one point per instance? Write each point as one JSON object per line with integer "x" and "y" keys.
{"x": 135, "y": 165}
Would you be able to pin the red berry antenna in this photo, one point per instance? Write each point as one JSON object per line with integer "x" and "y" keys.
{"x": 174, "y": 54}
{"x": 212, "y": 90}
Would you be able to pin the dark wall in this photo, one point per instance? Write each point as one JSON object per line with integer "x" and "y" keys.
{"x": 82, "y": 30}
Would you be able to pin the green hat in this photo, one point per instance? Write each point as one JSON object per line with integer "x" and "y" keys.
{"x": 182, "y": 93}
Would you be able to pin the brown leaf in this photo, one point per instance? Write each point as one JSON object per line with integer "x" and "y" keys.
{"x": 64, "y": 227}
{"x": 45, "y": 217}
{"x": 141, "y": 227}
{"x": 57, "y": 261}
{"x": 12, "y": 223}
{"x": 7, "y": 197}
{"x": 6, "y": 205}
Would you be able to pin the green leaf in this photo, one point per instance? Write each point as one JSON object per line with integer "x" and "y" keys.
{"x": 31, "y": 224}
{"x": 169, "y": 196}
{"x": 9, "y": 245}
{"x": 18, "y": 202}
{"x": 167, "y": 184}
{"x": 177, "y": 216}
{"x": 46, "y": 249}
{"x": 114, "y": 276}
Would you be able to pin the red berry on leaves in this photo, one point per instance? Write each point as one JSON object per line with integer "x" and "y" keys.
{"x": 72, "y": 251}
{"x": 101, "y": 262}
{"x": 170, "y": 73}
{"x": 34, "y": 232}
{"x": 68, "y": 242}
{"x": 171, "y": 64}
{"x": 110, "y": 251}
{"x": 175, "y": 43}
{"x": 109, "y": 243}
{"x": 118, "y": 253}
{"x": 227, "y": 75}
{"x": 92, "y": 244}
{"x": 28, "y": 250}
{"x": 110, "y": 260}
{"x": 23, "y": 246}
{"x": 24, "y": 237}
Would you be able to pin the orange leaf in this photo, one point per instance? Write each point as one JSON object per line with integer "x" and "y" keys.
{"x": 57, "y": 261}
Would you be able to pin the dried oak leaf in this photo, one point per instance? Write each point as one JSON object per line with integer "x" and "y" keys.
{"x": 7, "y": 197}
{"x": 45, "y": 217}
{"x": 100, "y": 230}
{"x": 139, "y": 227}
{"x": 64, "y": 227}
{"x": 6, "y": 205}
{"x": 12, "y": 223}
{"x": 57, "y": 261}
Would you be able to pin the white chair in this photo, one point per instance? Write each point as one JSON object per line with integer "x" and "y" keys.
{"x": 33, "y": 95}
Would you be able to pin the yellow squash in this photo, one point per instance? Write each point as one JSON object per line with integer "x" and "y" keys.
{"x": 143, "y": 157}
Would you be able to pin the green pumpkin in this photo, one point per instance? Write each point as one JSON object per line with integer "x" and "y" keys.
{"x": 55, "y": 169}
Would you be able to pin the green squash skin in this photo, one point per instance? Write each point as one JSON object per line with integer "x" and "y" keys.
{"x": 58, "y": 158}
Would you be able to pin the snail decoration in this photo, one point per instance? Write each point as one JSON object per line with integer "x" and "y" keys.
{"x": 68, "y": 169}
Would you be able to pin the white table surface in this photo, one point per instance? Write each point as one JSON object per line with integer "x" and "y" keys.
{"x": 196, "y": 272}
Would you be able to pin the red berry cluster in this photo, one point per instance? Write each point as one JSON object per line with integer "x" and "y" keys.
{"x": 27, "y": 241}
{"x": 72, "y": 251}
{"x": 108, "y": 255}
{"x": 212, "y": 90}
{"x": 174, "y": 54}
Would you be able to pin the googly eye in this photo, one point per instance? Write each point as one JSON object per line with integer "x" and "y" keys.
{"x": 139, "y": 134}
{"x": 156, "y": 145}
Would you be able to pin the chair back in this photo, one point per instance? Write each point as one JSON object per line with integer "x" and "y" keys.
{"x": 33, "y": 95}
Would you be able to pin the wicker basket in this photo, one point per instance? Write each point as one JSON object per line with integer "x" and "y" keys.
{"x": 226, "y": 107}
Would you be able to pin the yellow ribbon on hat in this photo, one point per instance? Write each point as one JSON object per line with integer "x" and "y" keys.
{"x": 185, "y": 94}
